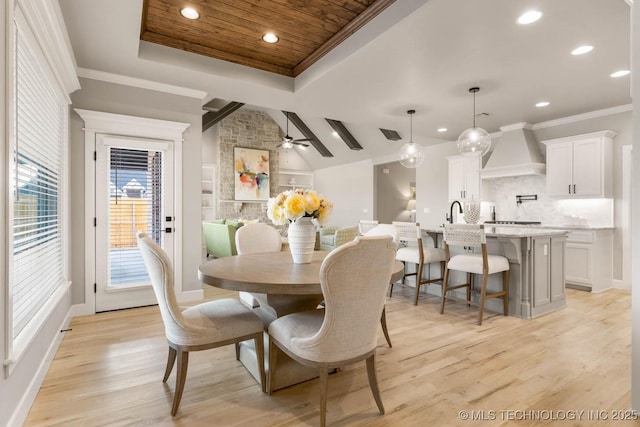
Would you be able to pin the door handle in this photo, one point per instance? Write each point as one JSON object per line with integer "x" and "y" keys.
{"x": 574, "y": 189}
{"x": 168, "y": 230}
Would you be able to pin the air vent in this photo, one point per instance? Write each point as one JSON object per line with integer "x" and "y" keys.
{"x": 391, "y": 134}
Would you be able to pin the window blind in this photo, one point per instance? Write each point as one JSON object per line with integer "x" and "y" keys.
{"x": 37, "y": 169}
{"x": 135, "y": 202}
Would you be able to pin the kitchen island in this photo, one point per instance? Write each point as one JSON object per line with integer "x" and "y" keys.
{"x": 536, "y": 273}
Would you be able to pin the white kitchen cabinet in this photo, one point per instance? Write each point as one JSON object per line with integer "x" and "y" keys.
{"x": 580, "y": 165}
{"x": 464, "y": 177}
{"x": 289, "y": 179}
{"x": 589, "y": 260}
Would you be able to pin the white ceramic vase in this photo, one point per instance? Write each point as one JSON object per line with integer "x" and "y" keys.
{"x": 302, "y": 240}
{"x": 471, "y": 213}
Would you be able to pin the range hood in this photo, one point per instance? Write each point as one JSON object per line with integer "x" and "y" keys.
{"x": 517, "y": 153}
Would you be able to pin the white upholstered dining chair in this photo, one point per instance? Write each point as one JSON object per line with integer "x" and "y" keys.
{"x": 473, "y": 235}
{"x": 255, "y": 238}
{"x": 385, "y": 230}
{"x": 201, "y": 327}
{"x": 354, "y": 279}
{"x": 416, "y": 253}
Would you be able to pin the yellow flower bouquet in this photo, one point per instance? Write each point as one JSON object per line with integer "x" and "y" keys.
{"x": 290, "y": 205}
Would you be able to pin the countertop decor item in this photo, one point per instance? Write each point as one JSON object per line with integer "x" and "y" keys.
{"x": 475, "y": 141}
{"x": 471, "y": 212}
{"x": 302, "y": 210}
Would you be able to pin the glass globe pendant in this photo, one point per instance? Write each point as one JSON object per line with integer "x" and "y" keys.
{"x": 411, "y": 154}
{"x": 475, "y": 141}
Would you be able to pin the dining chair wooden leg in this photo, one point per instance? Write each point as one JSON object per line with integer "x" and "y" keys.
{"x": 383, "y": 322}
{"x": 273, "y": 360}
{"x": 418, "y": 282}
{"x": 237, "y": 346}
{"x": 373, "y": 381}
{"x": 469, "y": 286}
{"x": 445, "y": 284}
{"x": 181, "y": 377}
{"x": 170, "y": 362}
{"x": 505, "y": 288}
{"x": 324, "y": 374}
{"x": 483, "y": 294}
{"x": 390, "y": 289}
{"x": 259, "y": 343}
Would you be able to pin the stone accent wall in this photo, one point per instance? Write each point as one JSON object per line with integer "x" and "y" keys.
{"x": 250, "y": 129}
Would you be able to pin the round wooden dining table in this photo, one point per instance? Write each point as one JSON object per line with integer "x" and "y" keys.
{"x": 282, "y": 288}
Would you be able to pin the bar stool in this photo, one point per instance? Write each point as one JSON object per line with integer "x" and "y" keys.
{"x": 473, "y": 235}
{"x": 409, "y": 232}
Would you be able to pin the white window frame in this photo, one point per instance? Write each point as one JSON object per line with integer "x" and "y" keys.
{"x": 40, "y": 24}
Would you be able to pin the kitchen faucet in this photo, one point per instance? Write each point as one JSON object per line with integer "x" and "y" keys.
{"x": 450, "y": 218}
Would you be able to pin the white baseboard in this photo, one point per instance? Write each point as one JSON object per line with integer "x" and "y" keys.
{"x": 84, "y": 309}
{"x": 24, "y": 406}
{"x": 621, "y": 284}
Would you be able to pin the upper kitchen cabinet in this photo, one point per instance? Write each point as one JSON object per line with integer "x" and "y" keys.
{"x": 580, "y": 166}
{"x": 464, "y": 177}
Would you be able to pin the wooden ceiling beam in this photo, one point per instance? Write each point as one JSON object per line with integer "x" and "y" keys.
{"x": 214, "y": 115}
{"x": 304, "y": 129}
{"x": 344, "y": 134}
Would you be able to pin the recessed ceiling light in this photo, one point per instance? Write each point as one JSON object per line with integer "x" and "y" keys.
{"x": 620, "y": 73}
{"x": 542, "y": 104}
{"x": 581, "y": 50}
{"x": 529, "y": 17}
{"x": 335, "y": 134}
{"x": 189, "y": 13}
{"x": 270, "y": 38}
{"x": 442, "y": 129}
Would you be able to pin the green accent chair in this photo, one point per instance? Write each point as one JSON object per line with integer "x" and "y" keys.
{"x": 220, "y": 237}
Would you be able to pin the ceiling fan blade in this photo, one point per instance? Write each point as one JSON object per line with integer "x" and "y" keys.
{"x": 299, "y": 143}
{"x": 301, "y": 140}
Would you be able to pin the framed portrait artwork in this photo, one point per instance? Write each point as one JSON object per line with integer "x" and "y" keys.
{"x": 251, "y": 174}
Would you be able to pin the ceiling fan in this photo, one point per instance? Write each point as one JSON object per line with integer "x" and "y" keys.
{"x": 288, "y": 141}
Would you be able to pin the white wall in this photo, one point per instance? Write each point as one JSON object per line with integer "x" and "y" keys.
{"x": 432, "y": 185}
{"x": 392, "y": 192}
{"x": 349, "y": 188}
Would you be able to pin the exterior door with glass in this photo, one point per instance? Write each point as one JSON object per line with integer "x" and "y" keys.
{"x": 134, "y": 192}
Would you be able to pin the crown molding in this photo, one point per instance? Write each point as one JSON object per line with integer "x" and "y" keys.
{"x": 585, "y": 116}
{"x": 45, "y": 21}
{"x": 104, "y": 76}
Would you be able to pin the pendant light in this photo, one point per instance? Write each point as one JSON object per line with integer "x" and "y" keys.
{"x": 475, "y": 141}
{"x": 411, "y": 154}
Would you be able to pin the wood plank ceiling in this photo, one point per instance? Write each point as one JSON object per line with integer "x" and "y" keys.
{"x": 232, "y": 30}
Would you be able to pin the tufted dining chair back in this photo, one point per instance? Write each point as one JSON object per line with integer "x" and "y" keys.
{"x": 258, "y": 237}
{"x": 354, "y": 280}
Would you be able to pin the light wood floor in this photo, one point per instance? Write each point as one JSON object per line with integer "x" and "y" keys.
{"x": 108, "y": 371}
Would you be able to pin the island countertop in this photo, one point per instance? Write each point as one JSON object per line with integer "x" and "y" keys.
{"x": 492, "y": 231}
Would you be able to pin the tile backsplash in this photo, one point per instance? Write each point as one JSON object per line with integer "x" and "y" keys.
{"x": 550, "y": 211}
